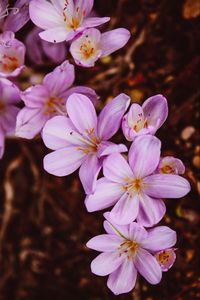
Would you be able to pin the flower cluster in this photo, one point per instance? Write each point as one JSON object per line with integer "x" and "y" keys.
{"x": 133, "y": 184}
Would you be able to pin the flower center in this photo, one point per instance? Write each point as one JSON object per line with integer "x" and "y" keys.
{"x": 139, "y": 125}
{"x": 8, "y": 63}
{"x": 167, "y": 169}
{"x": 91, "y": 142}
{"x": 73, "y": 19}
{"x": 87, "y": 49}
{"x": 133, "y": 185}
{"x": 54, "y": 105}
{"x": 129, "y": 248}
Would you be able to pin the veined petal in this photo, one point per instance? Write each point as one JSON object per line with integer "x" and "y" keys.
{"x": 105, "y": 263}
{"x": 105, "y": 242}
{"x": 35, "y": 96}
{"x": 8, "y": 119}
{"x": 56, "y": 35}
{"x": 159, "y": 238}
{"x": 166, "y": 186}
{"x": 88, "y": 92}
{"x": 106, "y": 194}
{"x": 112, "y": 228}
{"x": 89, "y": 172}
{"x": 44, "y": 15}
{"x": 144, "y": 155}
{"x": 82, "y": 113}
{"x": 94, "y": 21}
{"x": 155, "y": 111}
{"x": 9, "y": 92}
{"x": 137, "y": 232}
{"x": 64, "y": 161}
{"x": 111, "y": 116}
{"x": 116, "y": 168}
{"x": 107, "y": 148}
{"x": 147, "y": 265}
{"x": 113, "y": 40}
{"x": 123, "y": 279}
{"x": 85, "y": 6}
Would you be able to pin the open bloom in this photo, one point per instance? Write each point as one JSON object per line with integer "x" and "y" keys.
{"x": 127, "y": 250}
{"x": 91, "y": 45}
{"x": 9, "y": 97}
{"x": 48, "y": 99}
{"x": 170, "y": 165}
{"x": 13, "y": 18}
{"x": 41, "y": 52}
{"x": 133, "y": 187}
{"x": 145, "y": 119}
{"x": 82, "y": 139}
{"x": 166, "y": 258}
{"x": 12, "y": 53}
{"x": 62, "y": 20}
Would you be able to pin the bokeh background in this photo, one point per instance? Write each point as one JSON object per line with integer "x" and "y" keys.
{"x": 44, "y": 225}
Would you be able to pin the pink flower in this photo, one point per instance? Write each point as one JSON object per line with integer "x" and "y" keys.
{"x": 12, "y": 53}
{"x": 170, "y": 165}
{"x": 9, "y": 97}
{"x": 48, "y": 99}
{"x": 92, "y": 45}
{"x": 145, "y": 119}
{"x": 13, "y": 18}
{"x": 127, "y": 250}
{"x": 82, "y": 139}
{"x": 166, "y": 258}
{"x": 62, "y": 20}
{"x": 132, "y": 187}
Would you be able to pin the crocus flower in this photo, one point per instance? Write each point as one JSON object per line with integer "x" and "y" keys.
{"x": 145, "y": 119}
{"x": 91, "y": 45}
{"x": 9, "y": 97}
{"x": 81, "y": 140}
{"x": 171, "y": 165}
{"x": 62, "y": 20}
{"x": 13, "y": 18}
{"x": 12, "y": 54}
{"x": 133, "y": 188}
{"x": 41, "y": 52}
{"x": 166, "y": 258}
{"x": 127, "y": 250}
{"x": 48, "y": 99}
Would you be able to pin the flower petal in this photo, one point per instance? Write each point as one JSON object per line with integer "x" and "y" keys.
{"x": 113, "y": 228}
{"x": 137, "y": 232}
{"x": 171, "y": 165}
{"x": 106, "y": 263}
{"x": 8, "y": 119}
{"x": 107, "y": 148}
{"x": 88, "y": 92}
{"x": 159, "y": 238}
{"x": 116, "y": 168}
{"x": 35, "y": 96}
{"x": 64, "y": 161}
{"x": 148, "y": 267}
{"x": 144, "y": 155}
{"x": 166, "y": 186}
{"x": 82, "y": 113}
{"x": 89, "y": 172}
{"x": 123, "y": 279}
{"x": 105, "y": 242}
{"x": 125, "y": 210}
{"x": 56, "y": 35}
{"x": 106, "y": 194}
{"x": 113, "y": 40}
{"x": 111, "y": 116}
{"x": 94, "y": 21}
{"x": 155, "y": 111}
{"x": 151, "y": 211}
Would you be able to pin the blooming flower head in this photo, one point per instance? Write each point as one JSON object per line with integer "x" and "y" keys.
{"x": 145, "y": 119}
{"x": 133, "y": 188}
{"x": 81, "y": 140}
{"x": 166, "y": 258}
{"x": 9, "y": 97}
{"x": 62, "y": 20}
{"x": 127, "y": 250}
{"x": 170, "y": 165}
{"x": 13, "y": 18}
{"x": 12, "y": 53}
{"x": 48, "y": 99}
{"x": 91, "y": 45}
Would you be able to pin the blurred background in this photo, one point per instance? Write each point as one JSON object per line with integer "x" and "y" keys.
{"x": 44, "y": 225}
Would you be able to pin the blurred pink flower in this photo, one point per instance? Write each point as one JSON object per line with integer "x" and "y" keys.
{"x": 170, "y": 165}
{"x": 166, "y": 258}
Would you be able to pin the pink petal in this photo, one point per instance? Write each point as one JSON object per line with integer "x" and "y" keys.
{"x": 148, "y": 267}
{"x": 166, "y": 186}
{"x": 137, "y": 232}
{"x": 106, "y": 263}
{"x": 144, "y": 155}
{"x": 107, "y": 148}
{"x": 106, "y": 194}
{"x": 123, "y": 279}
{"x": 111, "y": 116}
{"x": 85, "y": 6}
{"x": 159, "y": 238}
{"x": 105, "y": 242}
{"x": 82, "y": 113}
{"x": 171, "y": 165}
{"x": 116, "y": 168}
{"x": 35, "y": 96}
{"x": 113, "y": 40}
{"x": 90, "y": 93}
{"x": 125, "y": 210}
{"x": 89, "y": 172}
{"x": 64, "y": 161}
{"x": 94, "y": 21}
{"x": 113, "y": 228}
{"x": 155, "y": 111}
{"x": 9, "y": 92}
{"x": 56, "y": 35}
{"x": 8, "y": 118}
{"x": 166, "y": 259}
{"x": 151, "y": 211}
